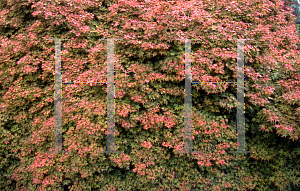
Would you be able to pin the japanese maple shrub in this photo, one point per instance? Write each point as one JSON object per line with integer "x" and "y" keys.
{"x": 149, "y": 95}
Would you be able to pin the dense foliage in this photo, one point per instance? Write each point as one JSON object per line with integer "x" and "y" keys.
{"x": 149, "y": 95}
{"x": 295, "y": 4}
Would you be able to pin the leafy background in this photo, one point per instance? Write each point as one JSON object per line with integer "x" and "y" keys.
{"x": 149, "y": 95}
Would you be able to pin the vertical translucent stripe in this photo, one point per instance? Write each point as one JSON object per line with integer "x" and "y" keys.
{"x": 57, "y": 99}
{"x": 110, "y": 105}
{"x": 240, "y": 97}
{"x": 110, "y": 138}
{"x": 188, "y": 144}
